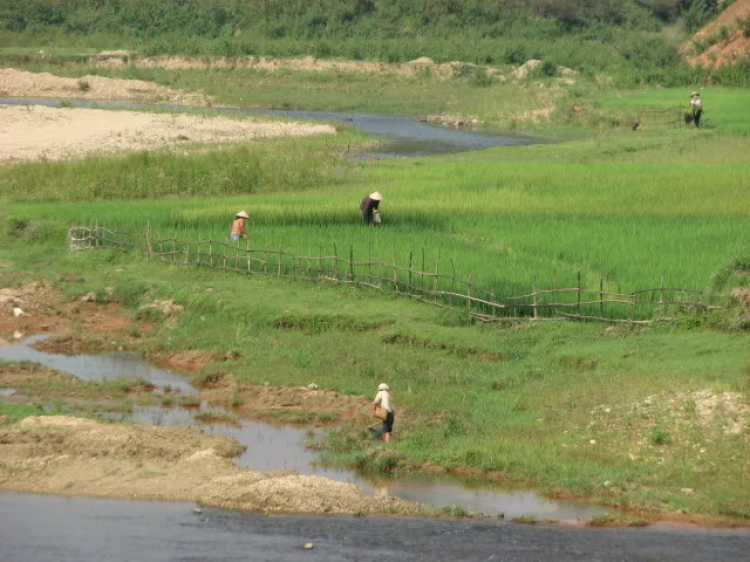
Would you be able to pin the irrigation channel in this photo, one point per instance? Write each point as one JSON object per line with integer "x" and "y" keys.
{"x": 403, "y": 137}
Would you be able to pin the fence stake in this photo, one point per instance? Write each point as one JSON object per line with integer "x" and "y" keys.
{"x": 437, "y": 274}
{"x": 335, "y": 261}
{"x": 351, "y": 262}
{"x": 395, "y": 274}
{"x": 661, "y": 298}
{"x": 225, "y": 257}
{"x": 248, "y": 256}
{"x": 469, "y": 291}
{"x": 410, "y": 271}
{"x": 187, "y": 252}
{"x": 278, "y": 274}
{"x": 423, "y": 269}
{"x": 579, "y": 293}
{"x": 265, "y": 257}
{"x": 601, "y": 297}
{"x": 533, "y": 296}
{"x": 453, "y": 279}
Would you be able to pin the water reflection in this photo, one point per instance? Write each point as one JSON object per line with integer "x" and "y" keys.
{"x": 278, "y": 447}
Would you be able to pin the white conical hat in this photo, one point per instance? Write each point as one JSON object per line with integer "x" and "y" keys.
{"x": 243, "y": 215}
{"x": 376, "y": 196}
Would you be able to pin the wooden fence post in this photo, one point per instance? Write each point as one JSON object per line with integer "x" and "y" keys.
{"x": 410, "y": 272}
{"x": 453, "y": 280}
{"x": 424, "y": 268}
{"x": 351, "y": 262}
{"x": 278, "y": 273}
{"x": 469, "y": 292}
{"x": 661, "y": 298}
{"x": 437, "y": 274}
{"x": 148, "y": 241}
{"x": 533, "y": 297}
{"x": 601, "y": 297}
{"x": 248, "y": 257}
{"x": 335, "y": 261}
{"x": 187, "y": 252}
{"x": 395, "y": 274}
{"x": 578, "y": 305}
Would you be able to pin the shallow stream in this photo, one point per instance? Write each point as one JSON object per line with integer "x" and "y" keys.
{"x": 403, "y": 137}
{"x": 282, "y": 447}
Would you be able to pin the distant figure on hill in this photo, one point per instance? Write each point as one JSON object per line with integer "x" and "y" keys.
{"x": 696, "y": 108}
{"x": 384, "y": 409}
{"x": 369, "y": 208}
{"x": 238, "y": 226}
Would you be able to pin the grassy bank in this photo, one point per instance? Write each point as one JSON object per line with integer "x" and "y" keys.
{"x": 615, "y": 415}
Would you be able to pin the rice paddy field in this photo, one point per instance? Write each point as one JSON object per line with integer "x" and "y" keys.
{"x": 635, "y": 209}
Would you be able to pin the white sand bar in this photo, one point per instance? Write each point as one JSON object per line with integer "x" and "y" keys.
{"x": 34, "y": 132}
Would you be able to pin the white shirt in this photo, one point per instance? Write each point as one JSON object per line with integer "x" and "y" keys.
{"x": 696, "y": 103}
{"x": 383, "y": 399}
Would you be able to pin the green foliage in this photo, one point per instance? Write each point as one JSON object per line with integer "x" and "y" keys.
{"x": 587, "y": 35}
{"x": 700, "y": 13}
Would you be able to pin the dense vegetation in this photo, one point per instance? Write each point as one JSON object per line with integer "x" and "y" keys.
{"x": 620, "y": 36}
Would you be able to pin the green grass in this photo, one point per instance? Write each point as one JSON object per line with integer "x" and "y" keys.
{"x": 724, "y": 108}
{"x": 531, "y": 416}
{"x": 630, "y": 208}
{"x": 16, "y": 412}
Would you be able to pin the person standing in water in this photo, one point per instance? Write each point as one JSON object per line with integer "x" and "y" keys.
{"x": 696, "y": 108}
{"x": 238, "y": 226}
{"x": 369, "y": 208}
{"x": 383, "y": 400}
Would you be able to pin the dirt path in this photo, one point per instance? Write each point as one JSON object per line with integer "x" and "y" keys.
{"x": 33, "y": 132}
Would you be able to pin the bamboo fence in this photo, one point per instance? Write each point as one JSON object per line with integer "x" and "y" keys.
{"x": 436, "y": 287}
{"x": 669, "y": 117}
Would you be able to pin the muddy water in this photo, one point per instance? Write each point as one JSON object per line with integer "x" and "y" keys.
{"x": 272, "y": 447}
{"x": 403, "y": 137}
{"x": 65, "y": 529}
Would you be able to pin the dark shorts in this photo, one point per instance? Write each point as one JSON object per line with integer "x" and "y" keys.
{"x": 388, "y": 423}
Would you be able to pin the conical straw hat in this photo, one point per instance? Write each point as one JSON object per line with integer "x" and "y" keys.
{"x": 243, "y": 215}
{"x": 376, "y": 196}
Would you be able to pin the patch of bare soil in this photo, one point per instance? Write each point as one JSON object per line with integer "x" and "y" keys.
{"x": 727, "y": 50}
{"x": 22, "y": 84}
{"x": 73, "y": 456}
{"x": 33, "y": 132}
{"x": 78, "y": 325}
{"x": 304, "y": 404}
{"x": 31, "y": 379}
{"x": 307, "y": 64}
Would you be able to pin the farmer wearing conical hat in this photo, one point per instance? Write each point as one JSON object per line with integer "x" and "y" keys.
{"x": 238, "y": 226}
{"x": 696, "y": 108}
{"x": 369, "y": 208}
{"x": 384, "y": 409}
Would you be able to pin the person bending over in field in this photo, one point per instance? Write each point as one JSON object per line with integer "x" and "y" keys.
{"x": 238, "y": 226}
{"x": 384, "y": 409}
{"x": 369, "y": 208}
{"x": 696, "y": 108}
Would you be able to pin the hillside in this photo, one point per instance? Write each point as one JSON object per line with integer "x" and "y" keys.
{"x": 724, "y": 41}
{"x": 621, "y": 37}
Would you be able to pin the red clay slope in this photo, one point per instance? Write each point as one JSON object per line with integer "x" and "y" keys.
{"x": 736, "y": 18}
